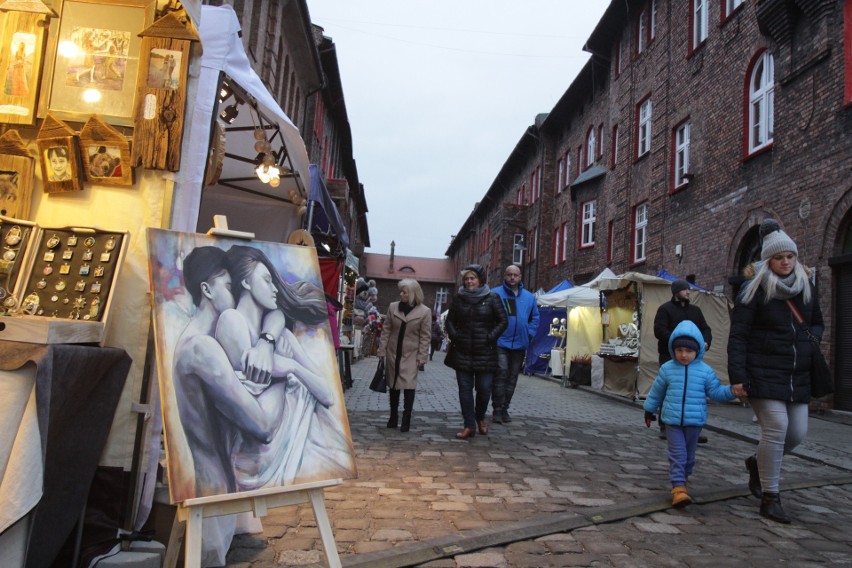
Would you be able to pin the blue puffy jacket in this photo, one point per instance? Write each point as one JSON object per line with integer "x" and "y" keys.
{"x": 523, "y": 317}
{"x": 682, "y": 390}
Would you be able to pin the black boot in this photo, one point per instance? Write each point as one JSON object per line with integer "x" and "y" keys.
{"x": 770, "y": 507}
{"x": 753, "y": 476}
{"x": 394, "y": 408}
{"x": 407, "y": 406}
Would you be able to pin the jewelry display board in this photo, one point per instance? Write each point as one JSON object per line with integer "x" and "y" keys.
{"x": 15, "y": 238}
{"x": 64, "y": 290}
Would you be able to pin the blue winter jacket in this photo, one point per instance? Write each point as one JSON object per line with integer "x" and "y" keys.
{"x": 682, "y": 390}
{"x": 523, "y": 317}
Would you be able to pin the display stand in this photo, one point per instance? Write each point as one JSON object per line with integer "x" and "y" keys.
{"x": 192, "y": 512}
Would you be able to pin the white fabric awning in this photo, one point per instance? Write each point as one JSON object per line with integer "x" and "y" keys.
{"x": 223, "y": 52}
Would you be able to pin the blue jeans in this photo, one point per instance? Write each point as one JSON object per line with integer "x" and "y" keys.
{"x": 683, "y": 440}
{"x": 509, "y": 363}
{"x": 471, "y": 412}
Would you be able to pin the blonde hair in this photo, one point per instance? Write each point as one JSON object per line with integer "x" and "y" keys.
{"x": 415, "y": 292}
{"x": 768, "y": 280}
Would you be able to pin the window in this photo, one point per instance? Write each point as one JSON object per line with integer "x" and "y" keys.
{"x": 614, "y": 151}
{"x": 640, "y": 233}
{"x": 642, "y": 31}
{"x": 730, "y": 6}
{"x": 560, "y": 175}
{"x": 567, "y": 167}
{"x": 557, "y": 235}
{"x": 518, "y": 249}
{"x": 643, "y": 128}
{"x": 587, "y": 238}
{"x": 699, "y": 22}
{"x": 681, "y": 154}
{"x": 600, "y": 141}
{"x": 591, "y": 147}
{"x": 761, "y": 103}
{"x": 564, "y": 242}
{"x": 610, "y": 246}
{"x": 617, "y": 62}
{"x": 652, "y": 26}
{"x": 533, "y": 243}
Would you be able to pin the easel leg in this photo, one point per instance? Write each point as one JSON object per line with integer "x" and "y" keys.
{"x": 194, "y": 521}
{"x": 175, "y": 539}
{"x": 326, "y": 534}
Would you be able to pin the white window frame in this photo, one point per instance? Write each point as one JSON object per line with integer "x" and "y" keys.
{"x": 560, "y": 176}
{"x": 600, "y": 141}
{"x": 641, "y": 31}
{"x": 761, "y": 103}
{"x": 567, "y": 168}
{"x": 700, "y": 22}
{"x": 731, "y": 6}
{"x": 681, "y": 157}
{"x": 518, "y": 249}
{"x": 591, "y": 147}
{"x": 653, "y": 23}
{"x": 587, "y": 236}
{"x": 640, "y": 232}
{"x": 557, "y": 241}
{"x": 564, "y": 242}
{"x": 643, "y": 145}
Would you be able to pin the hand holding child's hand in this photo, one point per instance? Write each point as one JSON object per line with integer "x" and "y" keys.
{"x": 649, "y": 417}
{"x": 738, "y": 390}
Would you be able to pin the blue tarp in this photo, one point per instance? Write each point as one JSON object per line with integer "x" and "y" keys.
{"x": 543, "y": 343}
{"x": 564, "y": 285}
{"x": 663, "y": 273}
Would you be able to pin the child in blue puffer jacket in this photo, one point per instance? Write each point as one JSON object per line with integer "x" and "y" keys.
{"x": 681, "y": 389}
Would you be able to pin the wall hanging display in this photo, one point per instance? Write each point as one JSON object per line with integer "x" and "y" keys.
{"x": 92, "y": 59}
{"x": 64, "y": 289}
{"x": 59, "y": 153}
{"x": 15, "y": 238}
{"x": 211, "y": 296}
{"x": 16, "y": 176}
{"x": 21, "y": 49}
{"x": 105, "y": 153}
{"x": 161, "y": 93}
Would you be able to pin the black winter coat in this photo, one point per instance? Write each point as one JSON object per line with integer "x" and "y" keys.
{"x": 473, "y": 326}
{"x": 768, "y": 352}
{"x": 672, "y": 313}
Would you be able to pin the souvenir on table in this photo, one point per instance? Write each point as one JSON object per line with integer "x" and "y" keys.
{"x": 161, "y": 92}
{"x": 16, "y": 176}
{"x": 105, "y": 153}
{"x": 59, "y": 154}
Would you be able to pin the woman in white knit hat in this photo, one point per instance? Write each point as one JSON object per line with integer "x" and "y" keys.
{"x": 771, "y": 356}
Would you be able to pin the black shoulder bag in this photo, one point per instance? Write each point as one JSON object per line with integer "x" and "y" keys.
{"x": 821, "y": 382}
{"x": 379, "y": 382}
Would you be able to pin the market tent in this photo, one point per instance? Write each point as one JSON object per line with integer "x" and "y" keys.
{"x": 260, "y": 208}
{"x": 564, "y": 285}
{"x": 643, "y": 294}
{"x": 663, "y": 273}
{"x": 538, "y": 352}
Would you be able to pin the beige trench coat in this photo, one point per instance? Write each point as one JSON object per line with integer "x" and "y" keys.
{"x": 414, "y": 347}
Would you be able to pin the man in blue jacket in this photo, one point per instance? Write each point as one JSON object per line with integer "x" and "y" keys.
{"x": 512, "y": 346}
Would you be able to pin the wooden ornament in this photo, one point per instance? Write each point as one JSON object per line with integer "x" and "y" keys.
{"x": 16, "y": 176}
{"x": 59, "y": 153}
{"x": 105, "y": 153}
{"x": 161, "y": 93}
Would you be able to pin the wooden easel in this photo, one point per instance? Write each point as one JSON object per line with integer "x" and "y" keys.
{"x": 192, "y": 512}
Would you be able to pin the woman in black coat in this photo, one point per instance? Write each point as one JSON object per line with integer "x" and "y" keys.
{"x": 474, "y": 323}
{"x": 771, "y": 356}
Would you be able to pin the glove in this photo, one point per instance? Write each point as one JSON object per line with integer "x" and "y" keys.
{"x": 649, "y": 417}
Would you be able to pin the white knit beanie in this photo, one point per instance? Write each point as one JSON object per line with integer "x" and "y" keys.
{"x": 775, "y": 240}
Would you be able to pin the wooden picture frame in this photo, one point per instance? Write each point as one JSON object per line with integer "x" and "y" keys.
{"x": 21, "y": 53}
{"x": 92, "y": 59}
{"x": 16, "y": 176}
{"x": 105, "y": 154}
{"x": 59, "y": 153}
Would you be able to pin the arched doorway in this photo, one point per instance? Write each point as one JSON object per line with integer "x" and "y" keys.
{"x": 841, "y": 266}
{"x": 747, "y": 252}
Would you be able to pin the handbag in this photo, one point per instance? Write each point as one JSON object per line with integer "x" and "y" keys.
{"x": 379, "y": 382}
{"x": 449, "y": 358}
{"x": 821, "y": 382}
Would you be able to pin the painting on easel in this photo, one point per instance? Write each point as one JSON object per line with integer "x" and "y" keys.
{"x": 249, "y": 384}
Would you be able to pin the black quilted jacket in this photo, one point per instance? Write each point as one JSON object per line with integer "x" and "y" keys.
{"x": 473, "y": 326}
{"x": 768, "y": 352}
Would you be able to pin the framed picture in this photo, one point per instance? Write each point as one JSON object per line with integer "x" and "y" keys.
{"x": 21, "y": 42}
{"x": 105, "y": 154}
{"x": 93, "y": 59}
{"x": 58, "y": 149}
{"x": 16, "y": 176}
{"x": 211, "y": 296}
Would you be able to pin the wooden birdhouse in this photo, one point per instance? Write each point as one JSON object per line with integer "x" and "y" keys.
{"x": 105, "y": 153}
{"x": 161, "y": 93}
{"x": 59, "y": 153}
{"x": 16, "y": 176}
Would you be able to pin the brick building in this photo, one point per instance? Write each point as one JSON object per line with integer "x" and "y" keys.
{"x": 691, "y": 123}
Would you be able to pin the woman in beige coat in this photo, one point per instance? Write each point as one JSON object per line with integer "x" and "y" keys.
{"x": 405, "y": 347}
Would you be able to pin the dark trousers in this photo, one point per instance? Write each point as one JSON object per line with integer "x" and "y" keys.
{"x": 683, "y": 440}
{"x": 509, "y": 362}
{"x": 473, "y": 410}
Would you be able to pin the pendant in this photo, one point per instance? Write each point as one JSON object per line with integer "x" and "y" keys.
{"x": 47, "y": 270}
{"x": 99, "y": 271}
{"x": 49, "y": 256}
{"x": 53, "y": 242}
{"x": 80, "y": 286}
{"x": 67, "y": 254}
{"x": 95, "y": 288}
{"x": 30, "y": 304}
{"x": 60, "y": 285}
{"x": 94, "y": 309}
{"x": 13, "y": 237}
{"x": 89, "y": 242}
{"x": 72, "y": 241}
{"x": 79, "y": 302}
{"x": 65, "y": 268}
{"x": 110, "y": 244}
{"x": 9, "y": 254}
{"x": 10, "y": 302}
{"x": 87, "y": 255}
{"x": 105, "y": 256}
{"x": 41, "y": 284}
{"x": 84, "y": 270}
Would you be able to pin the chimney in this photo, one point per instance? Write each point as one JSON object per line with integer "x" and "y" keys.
{"x": 390, "y": 262}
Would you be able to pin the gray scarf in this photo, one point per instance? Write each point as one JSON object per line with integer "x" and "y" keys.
{"x": 787, "y": 287}
{"x": 473, "y": 293}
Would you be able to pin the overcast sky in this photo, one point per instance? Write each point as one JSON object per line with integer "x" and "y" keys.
{"x": 438, "y": 94}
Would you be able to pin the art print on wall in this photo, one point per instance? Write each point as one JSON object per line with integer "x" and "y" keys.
{"x": 250, "y": 390}
{"x": 20, "y": 64}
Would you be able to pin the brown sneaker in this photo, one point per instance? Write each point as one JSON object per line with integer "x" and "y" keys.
{"x": 680, "y": 498}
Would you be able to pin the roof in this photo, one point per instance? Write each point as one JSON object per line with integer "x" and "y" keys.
{"x": 421, "y": 269}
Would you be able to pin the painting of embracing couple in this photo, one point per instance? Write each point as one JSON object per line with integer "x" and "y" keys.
{"x": 249, "y": 384}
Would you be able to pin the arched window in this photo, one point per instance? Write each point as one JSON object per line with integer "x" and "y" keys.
{"x": 761, "y": 102}
{"x": 591, "y": 147}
